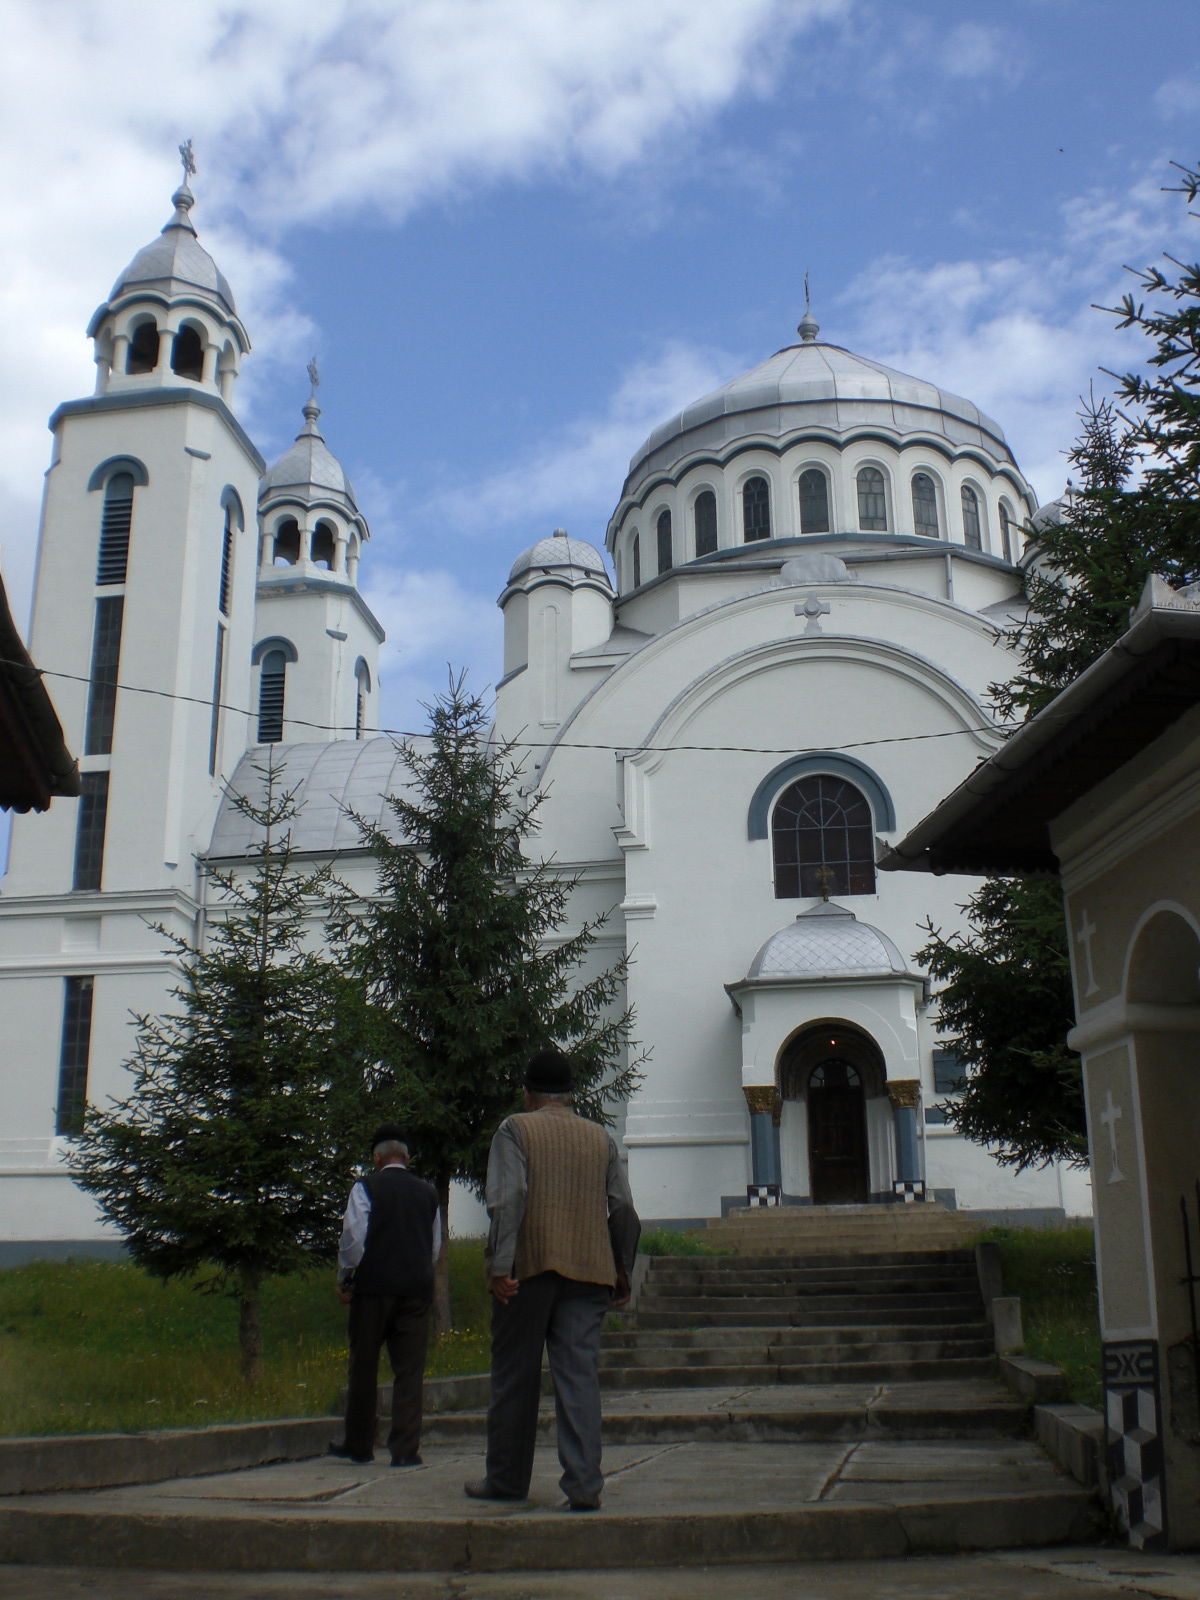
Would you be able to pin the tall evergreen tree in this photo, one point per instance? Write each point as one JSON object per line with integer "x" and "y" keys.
{"x": 231, "y": 1156}
{"x": 1135, "y": 511}
{"x": 463, "y": 958}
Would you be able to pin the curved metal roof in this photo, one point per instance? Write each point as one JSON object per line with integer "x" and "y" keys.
{"x": 827, "y": 941}
{"x": 560, "y": 553}
{"x": 329, "y": 781}
{"x": 176, "y": 260}
{"x": 308, "y": 467}
{"x": 814, "y": 385}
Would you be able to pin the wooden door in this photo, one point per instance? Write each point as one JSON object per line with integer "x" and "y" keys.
{"x": 837, "y": 1136}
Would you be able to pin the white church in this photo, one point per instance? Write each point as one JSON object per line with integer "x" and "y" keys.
{"x": 779, "y": 660}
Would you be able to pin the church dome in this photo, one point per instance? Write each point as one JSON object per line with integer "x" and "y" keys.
{"x": 823, "y": 387}
{"x": 560, "y": 553}
{"x": 308, "y": 469}
{"x": 176, "y": 262}
{"x": 827, "y": 941}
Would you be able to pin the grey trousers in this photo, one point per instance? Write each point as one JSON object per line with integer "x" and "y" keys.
{"x": 565, "y": 1319}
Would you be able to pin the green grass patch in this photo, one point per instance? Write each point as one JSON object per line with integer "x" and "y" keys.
{"x": 668, "y": 1242}
{"x": 96, "y": 1346}
{"x": 1054, "y": 1272}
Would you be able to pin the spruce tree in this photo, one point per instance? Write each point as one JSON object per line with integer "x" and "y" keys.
{"x": 1134, "y": 511}
{"x": 463, "y": 957}
{"x": 231, "y": 1156}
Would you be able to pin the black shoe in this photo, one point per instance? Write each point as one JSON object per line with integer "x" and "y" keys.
{"x": 481, "y": 1489}
{"x": 340, "y": 1451}
{"x": 407, "y": 1461}
{"x": 581, "y": 1505}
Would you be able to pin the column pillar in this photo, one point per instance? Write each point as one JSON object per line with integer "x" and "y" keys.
{"x": 905, "y": 1096}
{"x": 761, "y": 1102}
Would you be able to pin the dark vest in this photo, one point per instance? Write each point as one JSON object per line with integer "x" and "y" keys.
{"x": 398, "y": 1258}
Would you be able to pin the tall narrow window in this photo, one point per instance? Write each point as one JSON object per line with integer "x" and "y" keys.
{"x": 972, "y": 537}
{"x": 143, "y": 349}
{"x": 89, "y": 830}
{"x": 214, "y": 729}
{"x": 704, "y": 515}
{"x": 74, "y": 1054}
{"x": 271, "y": 679}
{"x": 1006, "y": 539}
{"x": 823, "y": 839}
{"x": 924, "y": 498}
{"x": 115, "y": 523}
{"x": 362, "y": 686}
{"x": 102, "y": 691}
{"x": 187, "y": 354}
{"x": 637, "y": 560}
{"x": 814, "y": 501}
{"x": 226, "y": 592}
{"x": 872, "y": 501}
{"x": 756, "y": 509}
{"x": 663, "y": 530}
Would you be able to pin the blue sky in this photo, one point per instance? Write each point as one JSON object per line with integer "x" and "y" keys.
{"x": 517, "y": 233}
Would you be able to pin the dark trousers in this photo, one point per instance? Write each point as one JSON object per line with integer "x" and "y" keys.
{"x": 564, "y": 1318}
{"x": 403, "y": 1325}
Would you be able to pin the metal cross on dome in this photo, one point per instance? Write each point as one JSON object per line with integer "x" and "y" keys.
{"x": 314, "y": 375}
{"x": 188, "y": 159}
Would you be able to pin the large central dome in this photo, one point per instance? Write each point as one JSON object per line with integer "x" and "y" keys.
{"x": 814, "y": 386}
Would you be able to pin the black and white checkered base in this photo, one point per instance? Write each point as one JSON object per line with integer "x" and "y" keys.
{"x": 909, "y": 1189}
{"x": 762, "y": 1194}
{"x": 1135, "y": 1453}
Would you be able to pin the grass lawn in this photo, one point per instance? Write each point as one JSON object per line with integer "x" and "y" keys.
{"x": 1054, "y": 1272}
{"x": 92, "y": 1346}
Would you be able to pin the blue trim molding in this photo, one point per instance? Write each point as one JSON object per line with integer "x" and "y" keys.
{"x": 109, "y": 469}
{"x": 841, "y": 766}
{"x": 264, "y": 646}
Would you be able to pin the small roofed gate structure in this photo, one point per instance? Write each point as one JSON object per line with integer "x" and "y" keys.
{"x": 35, "y": 764}
{"x": 1103, "y": 787}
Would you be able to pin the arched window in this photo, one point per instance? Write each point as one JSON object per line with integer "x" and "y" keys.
{"x": 814, "y": 501}
{"x": 663, "y": 531}
{"x": 271, "y": 683}
{"x": 704, "y": 515}
{"x": 637, "y": 560}
{"x": 287, "y": 543}
{"x": 143, "y": 349}
{"x": 756, "y": 509}
{"x": 1006, "y": 539}
{"x": 324, "y": 545}
{"x": 924, "y": 498}
{"x": 872, "y": 501}
{"x": 972, "y": 537}
{"x": 187, "y": 354}
{"x": 115, "y": 523}
{"x": 822, "y": 839}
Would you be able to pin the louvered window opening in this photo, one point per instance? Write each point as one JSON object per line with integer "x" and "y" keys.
{"x": 115, "y": 524}
{"x": 106, "y": 660}
{"x": 74, "y": 1056}
{"x": 270, "y": 697}
{"x": 823, "y": 840}
{"x": 226, "y": 593}
{"x": 214, "y": 728}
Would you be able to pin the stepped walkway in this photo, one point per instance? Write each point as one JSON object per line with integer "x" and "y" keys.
{"x": 766, "y": 1407}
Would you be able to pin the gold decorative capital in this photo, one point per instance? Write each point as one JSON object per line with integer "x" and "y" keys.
{"x": 760, "y": 1098}
{"x": 904, "y": 1093}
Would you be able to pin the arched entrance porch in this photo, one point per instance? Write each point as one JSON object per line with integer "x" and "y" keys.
{"x": 834, "y": 1115}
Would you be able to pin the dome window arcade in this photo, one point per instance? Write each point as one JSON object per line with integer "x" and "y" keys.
{"x": 756, "y": 509}
{"x": 822, "y": 839}
{"x": 142, "y": 355}
{"x": 324, "y": 546}
{"x": 814, "y": 501}
{"x": 972, "y": 531}
{"x": 187, "y": 353}
{"x": 637, "y": 560}
{"x": 1006, "y": 538}
{"x": 925, "y": 506}
{"x": 662, "y": 530}
{"x": 704, "y": 519}
{"x": 285, "y": 551}
{"x": 872, "y": 500}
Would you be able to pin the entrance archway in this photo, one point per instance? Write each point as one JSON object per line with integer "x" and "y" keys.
{"x": 833, "y": 1069}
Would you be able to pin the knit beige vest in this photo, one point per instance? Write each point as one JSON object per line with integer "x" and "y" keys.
{"x": 565, "y": 1226}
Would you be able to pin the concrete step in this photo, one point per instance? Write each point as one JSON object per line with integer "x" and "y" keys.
{"x": 808, "y": 1316}
{"x": 783, "y": 1283}
{"x": 718, "y": 1338}
{"x": 689, "y": 1308}
{"x": 895, "y": 1353}
{"x": 769, "y": 1370}
{"x": 666, "y": 1505}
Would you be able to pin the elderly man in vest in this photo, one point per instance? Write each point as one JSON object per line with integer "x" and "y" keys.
{"x": 391, "y": 1239}
{"x": 560, "y": 1252}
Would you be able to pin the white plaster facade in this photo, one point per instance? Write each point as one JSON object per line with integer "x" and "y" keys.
{"x": 665, "y": 717}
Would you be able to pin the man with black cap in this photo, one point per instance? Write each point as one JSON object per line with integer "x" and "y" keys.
{"x": 560, "y": 1252}
{"x": 391, "y": 1239}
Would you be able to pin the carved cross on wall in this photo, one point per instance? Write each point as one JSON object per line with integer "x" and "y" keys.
{"x": 1085, "y": 933}
{"x": 813, "y": 609}
{"x": 1110, "y": 1116}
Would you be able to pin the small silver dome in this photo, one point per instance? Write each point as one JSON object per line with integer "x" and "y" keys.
{"x": 308, "y": 466}
{"x": 560, "y": 553}
{"x": 827, "y": 941}
{"x": 176, "y": 260}
{"x": 815, "y": 385}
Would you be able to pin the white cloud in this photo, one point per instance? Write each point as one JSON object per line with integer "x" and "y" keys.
{"x": 974, "y": 50}
{"x": 1179, "y": 96}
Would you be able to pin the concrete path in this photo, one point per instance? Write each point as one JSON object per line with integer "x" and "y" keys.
{"x": 1056, "y": 1574}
